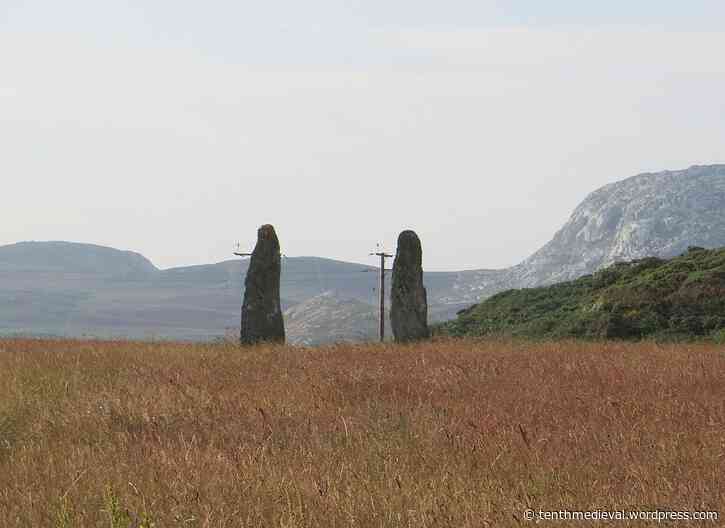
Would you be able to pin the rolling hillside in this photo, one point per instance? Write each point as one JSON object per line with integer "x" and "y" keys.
{"x": 679, "y": 299}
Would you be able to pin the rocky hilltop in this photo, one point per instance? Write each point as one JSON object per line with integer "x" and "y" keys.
{"x": 329, "y": 318}
{"x": 649, "y": 215}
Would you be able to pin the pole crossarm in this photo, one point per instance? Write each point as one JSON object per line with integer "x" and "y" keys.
{"x": 250, "y": 254}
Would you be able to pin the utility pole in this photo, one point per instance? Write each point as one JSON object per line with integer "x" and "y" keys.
{"x": 383, "y": 255}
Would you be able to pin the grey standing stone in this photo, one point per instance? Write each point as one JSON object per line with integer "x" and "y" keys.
{"x": 409, "y": 302}
{"x": 261, "y": 309}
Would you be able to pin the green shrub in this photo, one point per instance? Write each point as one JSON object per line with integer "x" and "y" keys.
{"x": 719, "y": 336}
{"x": 680, "y": 298}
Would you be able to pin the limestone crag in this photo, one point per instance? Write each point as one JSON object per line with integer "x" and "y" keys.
{"x": 261, "y": 310}
{"x": 649, "y": 215}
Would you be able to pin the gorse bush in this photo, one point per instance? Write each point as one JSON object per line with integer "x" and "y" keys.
{"x": 719, "y": 337}
{"x": 678, "y": 299}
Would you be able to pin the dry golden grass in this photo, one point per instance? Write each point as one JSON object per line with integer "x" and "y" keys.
{"x": 446, "y": 433}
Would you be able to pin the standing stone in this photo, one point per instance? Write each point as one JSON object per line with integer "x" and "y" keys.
{"x": 261, "y": 309}
{"x": 409, "y": 302}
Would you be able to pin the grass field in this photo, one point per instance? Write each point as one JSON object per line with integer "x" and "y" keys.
{"x": 445, "y": 433}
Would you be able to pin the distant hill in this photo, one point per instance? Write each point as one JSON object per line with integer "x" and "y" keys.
{"x": 340, "y": 320}
{"x": 71, "y": 289}
{"x": 69, "y": 257}
{"x": 681, "y": 298}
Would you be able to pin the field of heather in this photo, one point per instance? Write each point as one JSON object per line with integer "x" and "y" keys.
{"x": 445, "y": 433}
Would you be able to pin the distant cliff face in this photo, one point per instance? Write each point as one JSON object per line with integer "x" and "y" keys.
{"x": 654, "y": 214}
{"x": 658, "y": 214}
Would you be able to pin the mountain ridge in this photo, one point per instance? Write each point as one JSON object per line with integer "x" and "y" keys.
{"x": 650, "y": 214}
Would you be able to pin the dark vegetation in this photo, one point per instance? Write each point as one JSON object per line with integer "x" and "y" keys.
{"x": 678, "y": 299}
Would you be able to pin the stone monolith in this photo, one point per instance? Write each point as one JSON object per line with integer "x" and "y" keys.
{"x": 409, "y": 302}
{"x": 261, "y": 310}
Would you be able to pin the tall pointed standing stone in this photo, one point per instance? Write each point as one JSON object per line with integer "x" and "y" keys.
{"x": 409, "y": 302}
{"x": 261, "y": 309}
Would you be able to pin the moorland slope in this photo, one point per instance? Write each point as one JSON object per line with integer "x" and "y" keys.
{"x": 680, "y": 298}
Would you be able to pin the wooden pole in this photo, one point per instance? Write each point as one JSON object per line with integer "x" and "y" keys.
{"x": 382, "y": 256}
{"x": 382, "y": 298}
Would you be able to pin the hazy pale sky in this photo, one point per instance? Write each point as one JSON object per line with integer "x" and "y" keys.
{"x": 176, "y": 128}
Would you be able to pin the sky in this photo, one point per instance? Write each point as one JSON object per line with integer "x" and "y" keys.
{"x": 175, "y": 128}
